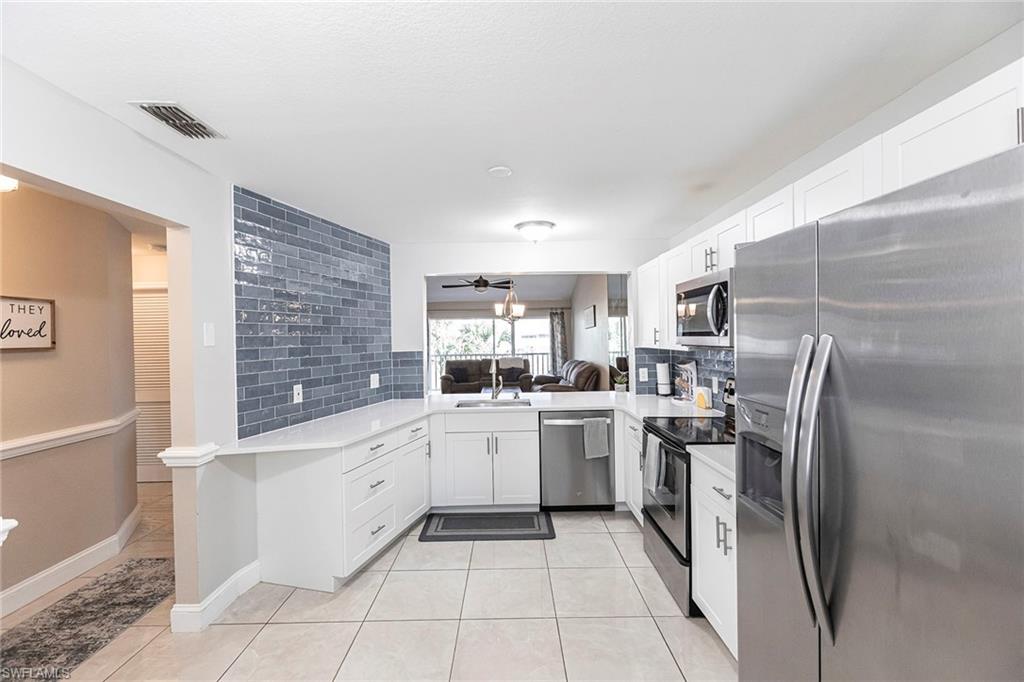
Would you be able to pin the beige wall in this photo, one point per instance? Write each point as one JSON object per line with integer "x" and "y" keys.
{"x": 68, "y": 498}
{"x": 591, "y": 344}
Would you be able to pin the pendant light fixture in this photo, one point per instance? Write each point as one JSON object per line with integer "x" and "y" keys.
{"x": 511, "y": 309}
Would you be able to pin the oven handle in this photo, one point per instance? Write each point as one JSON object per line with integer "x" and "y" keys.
{"x": 805, "y": 481}
{"x": 790, "y": 448}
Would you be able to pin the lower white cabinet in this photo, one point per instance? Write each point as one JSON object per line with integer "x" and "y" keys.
{"x": 498, "y": 467}
{"x": 713, "y": 528}
{"x": 413, "y": 469}
{"x": 516, "y": 474}
{"x": 634, "y": 474}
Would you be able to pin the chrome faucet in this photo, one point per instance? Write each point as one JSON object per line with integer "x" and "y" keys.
{"x": 497, "y": 383}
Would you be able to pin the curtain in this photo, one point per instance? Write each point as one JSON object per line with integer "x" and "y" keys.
{"x": 559, "y": 341}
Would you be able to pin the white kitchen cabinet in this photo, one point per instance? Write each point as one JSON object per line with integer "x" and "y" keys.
{"x": 714, "y": 566}
{"x": 724, "y": 238}
{"x": 851, "y": 179}
{"x": 469, "y": 469}
{"x": 413, "y": 469}
{"x": 634, "y": 475}
{"x": 651, "y": 302}
{"x": 978, "y": 121}
{"x": 516, "y": 467}
{"x": 700, "y": 255}
{"x": 771, "y": 215}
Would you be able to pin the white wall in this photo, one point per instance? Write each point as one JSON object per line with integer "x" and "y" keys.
{"x": 591, "y": 344}
{"x": 988, "y": 58}
{"x": 66, "y": 146}
{"x": 412, "y": 262}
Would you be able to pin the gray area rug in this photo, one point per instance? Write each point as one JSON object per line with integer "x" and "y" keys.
{"x": 487, "y": 526}
{"x": 58, "y": 638}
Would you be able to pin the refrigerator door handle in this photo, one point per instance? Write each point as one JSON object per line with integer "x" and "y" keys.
{"x": 790, "y": 442}
{"x": 805, "y": 481}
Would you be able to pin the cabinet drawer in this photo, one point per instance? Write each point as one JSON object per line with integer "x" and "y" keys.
{"x": 476, "y": 422}
{"x": 368, "y": 537}
{"x": 634, "y": 430}
{"x": 411, "y": 432}
{"x": 368, "y": 450}
{"x": 717, "y": 487}
{"x": 361, "y": 487}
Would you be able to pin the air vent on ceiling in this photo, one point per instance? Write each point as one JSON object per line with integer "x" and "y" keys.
{"x": 174, "y": 116}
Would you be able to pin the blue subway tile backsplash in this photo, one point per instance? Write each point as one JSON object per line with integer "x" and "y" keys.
{"x": 711, "y": 362}
{"x": 312, "y": 306}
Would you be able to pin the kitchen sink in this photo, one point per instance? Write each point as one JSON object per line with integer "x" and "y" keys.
{"x": 493, "y": 403}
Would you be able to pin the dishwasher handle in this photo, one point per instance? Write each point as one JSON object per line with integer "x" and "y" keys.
{"x": 569, "y": 422}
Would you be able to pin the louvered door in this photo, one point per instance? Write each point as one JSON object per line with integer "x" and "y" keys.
{"x": 152, "y": 384}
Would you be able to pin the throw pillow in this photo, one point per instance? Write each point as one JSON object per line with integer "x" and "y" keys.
{"x": 510, "y": 375}
{"x": 460, "y": 374}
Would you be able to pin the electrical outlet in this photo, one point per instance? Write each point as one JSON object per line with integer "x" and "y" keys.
{"x": 209, "y": 337}
{"x": 714, "y": 385}
{"x": 643, "y": 373}
{"x": 297, "y": 393}
{"x": 374, "y": 381}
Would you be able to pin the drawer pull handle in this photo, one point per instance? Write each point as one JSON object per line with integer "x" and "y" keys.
{"x": 378, "y": 446}
{"x": 721, "y": 492}
{"x": 374, "y": 485}
{"x": 632, "y": 428}
{"x": 378, "y": 529}
{"x": 417, "y": 429}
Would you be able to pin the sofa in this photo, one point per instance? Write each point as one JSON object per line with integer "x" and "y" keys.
{"x": 576, "y": 375}
{"x": 472, "y": 376}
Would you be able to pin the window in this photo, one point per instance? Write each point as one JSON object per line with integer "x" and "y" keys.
{"x": 616, "y": 338}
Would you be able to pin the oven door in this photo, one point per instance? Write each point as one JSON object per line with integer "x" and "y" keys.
{"x": 702, "y": 311}
{"x": 666, "y": 481}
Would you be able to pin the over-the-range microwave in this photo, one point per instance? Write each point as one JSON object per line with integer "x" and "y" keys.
{"x": 704, "y": 310}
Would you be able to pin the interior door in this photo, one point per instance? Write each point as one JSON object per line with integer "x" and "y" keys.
{"x": 469, "y": 469}
{"x": 920, "y": 453}
{"x": 516, "y": 467}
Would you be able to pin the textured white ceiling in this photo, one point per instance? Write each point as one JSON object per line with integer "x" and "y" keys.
{"x": 619, "y": 119}
{"x": 528, "y": 288}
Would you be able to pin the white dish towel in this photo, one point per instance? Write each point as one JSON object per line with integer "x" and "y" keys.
{"x": 595, "y": 437}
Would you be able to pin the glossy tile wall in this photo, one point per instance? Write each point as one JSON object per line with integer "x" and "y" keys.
{"x": 711, "y": 362}
{"x": 312, "y": 307}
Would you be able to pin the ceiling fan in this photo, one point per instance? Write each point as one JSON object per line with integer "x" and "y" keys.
{"x": 480, "y": 285}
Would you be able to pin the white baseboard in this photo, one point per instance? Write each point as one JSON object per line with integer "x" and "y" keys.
{"x": 35, "y": 586}
{"x": 196, "y": 617}
{"x": 152, "y": 473}
{"x": 128, "y": 526}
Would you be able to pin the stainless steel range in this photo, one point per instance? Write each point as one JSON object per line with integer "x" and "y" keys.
{"x": 666, "y": 483}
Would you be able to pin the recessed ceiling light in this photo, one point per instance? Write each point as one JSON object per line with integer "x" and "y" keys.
{"x": 499, "y": 171}
{"x": 8, "y": 184}
{"x": 535, "y": 230}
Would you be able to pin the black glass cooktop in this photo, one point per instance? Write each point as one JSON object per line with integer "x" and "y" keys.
{"x": 693, "y": 430}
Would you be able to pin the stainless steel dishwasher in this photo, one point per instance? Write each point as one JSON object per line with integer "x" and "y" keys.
{"x": 568, "y": 480}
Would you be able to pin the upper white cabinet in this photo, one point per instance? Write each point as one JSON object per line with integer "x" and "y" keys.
{"x": 851, "y": 179}
{"x": 651, "y": 296}
{"x": 978, "y": 121}
{"x": 771, "y": 215}
{"x": 725, "y": 236}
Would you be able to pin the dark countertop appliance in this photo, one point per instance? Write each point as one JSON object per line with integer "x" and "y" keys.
{"x": 666, "y": 481}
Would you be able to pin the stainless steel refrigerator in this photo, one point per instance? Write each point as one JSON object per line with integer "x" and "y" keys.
{"x": 880, "y": 437}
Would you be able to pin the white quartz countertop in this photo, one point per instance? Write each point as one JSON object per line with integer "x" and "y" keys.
{"x": 350, "y": 427}
{"x": 721, "y": 458}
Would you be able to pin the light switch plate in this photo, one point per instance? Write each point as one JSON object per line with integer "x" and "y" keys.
{"x": 209, "y": 335}
{"x": 643, "y": 373}
{"x": 374, "y": 381}
{"x": 297, "y": 393}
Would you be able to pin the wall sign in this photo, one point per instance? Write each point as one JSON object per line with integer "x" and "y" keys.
{"x": 26, "y": 323}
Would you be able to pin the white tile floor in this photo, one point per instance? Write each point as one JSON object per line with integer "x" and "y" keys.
{"x": 584, "y": 606}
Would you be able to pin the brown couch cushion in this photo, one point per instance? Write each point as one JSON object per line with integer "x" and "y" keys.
{"x": 576, "y": 375}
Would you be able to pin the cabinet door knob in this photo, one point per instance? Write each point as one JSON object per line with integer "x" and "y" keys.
{"x": 718, "y": 532}
{"x": 378, "y": 529}
{"x": 725, "y": 539}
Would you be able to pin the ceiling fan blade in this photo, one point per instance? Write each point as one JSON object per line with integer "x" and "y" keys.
{"x": 501, "y": 286}
{"x": 501, "y": 281}
{"x": 455, "y": 286}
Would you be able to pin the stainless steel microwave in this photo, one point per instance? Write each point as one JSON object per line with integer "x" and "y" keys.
{"x": 704, "y": 310}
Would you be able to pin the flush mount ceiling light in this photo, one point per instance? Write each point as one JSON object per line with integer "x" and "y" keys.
{"x": 499, "y": 171}
{"x": 535, "y": 230}
{"x": 8, "y": 184}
